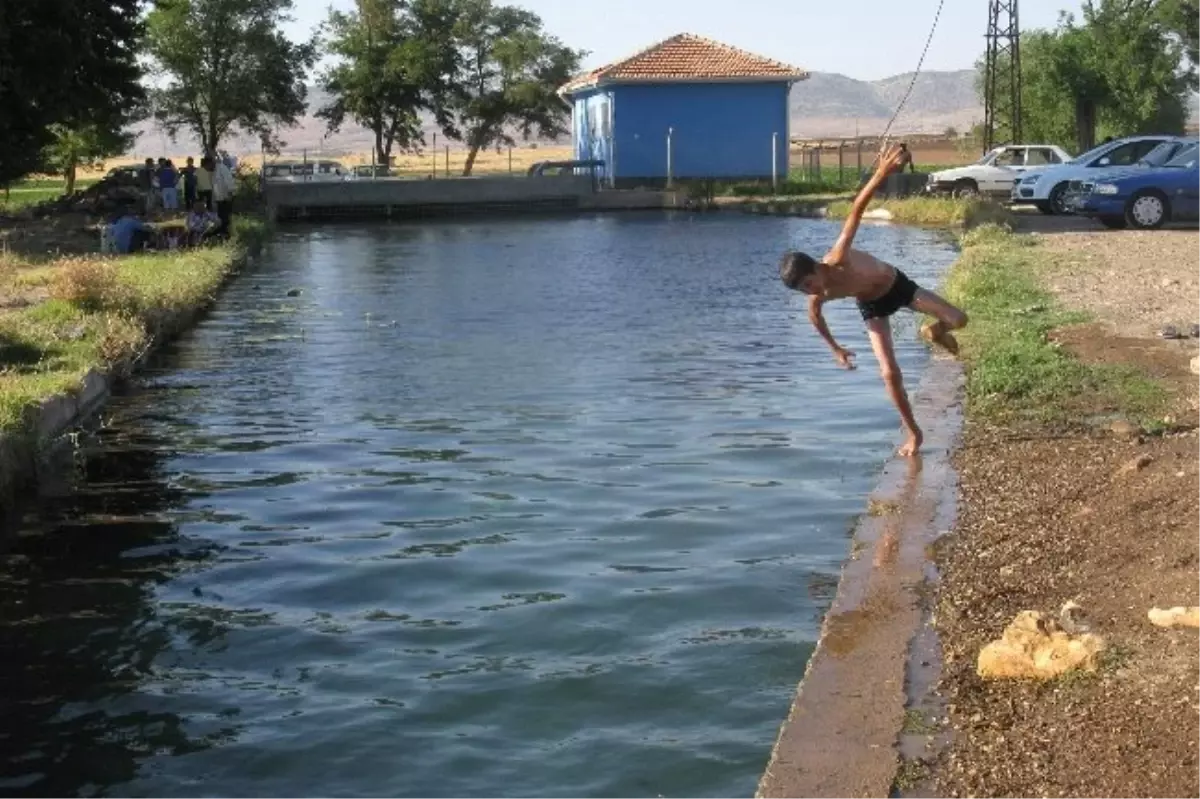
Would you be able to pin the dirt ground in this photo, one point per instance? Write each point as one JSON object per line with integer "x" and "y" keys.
{"x": 1051, "y": 518}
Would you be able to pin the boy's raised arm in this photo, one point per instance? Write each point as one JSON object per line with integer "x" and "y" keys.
{"x": 887, "y": 164}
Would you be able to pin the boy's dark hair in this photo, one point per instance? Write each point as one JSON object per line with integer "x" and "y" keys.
{"x": 794, "y": 267}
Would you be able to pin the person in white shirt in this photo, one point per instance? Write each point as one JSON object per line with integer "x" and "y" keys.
{"x": 224, "y": 186}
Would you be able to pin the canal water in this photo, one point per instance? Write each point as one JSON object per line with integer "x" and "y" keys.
{"x": 511, "y": 507}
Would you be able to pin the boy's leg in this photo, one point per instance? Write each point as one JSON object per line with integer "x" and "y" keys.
{"x": 948, "y": 318}
{"x": 879, "y": 330}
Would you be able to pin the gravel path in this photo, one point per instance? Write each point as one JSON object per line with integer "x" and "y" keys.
{"x": 1055, "y": 517}
{"x": 1134, "y": 281}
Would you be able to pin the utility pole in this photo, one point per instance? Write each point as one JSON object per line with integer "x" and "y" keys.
{"x": 1002, "y": 75}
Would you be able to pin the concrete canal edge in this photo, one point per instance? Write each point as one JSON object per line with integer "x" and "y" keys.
{"x": 875, "y": 658}
{"x": 24, "y": 456}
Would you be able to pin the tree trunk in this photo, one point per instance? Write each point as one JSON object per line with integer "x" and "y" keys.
{"x": 70, "y": 173}
{"x": 211, "y": 140}
{"x": 380, "y": 150}
{"x": 1085, "y": 124}
{"x": 474, "y": 151}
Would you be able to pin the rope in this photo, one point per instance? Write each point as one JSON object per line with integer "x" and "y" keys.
{"x": 911, "y": 83}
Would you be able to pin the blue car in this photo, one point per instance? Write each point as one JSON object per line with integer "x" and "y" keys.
{"x": 1148, "y": 198}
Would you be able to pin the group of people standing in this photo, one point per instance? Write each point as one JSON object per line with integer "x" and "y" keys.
{"x": 207, "y": 187}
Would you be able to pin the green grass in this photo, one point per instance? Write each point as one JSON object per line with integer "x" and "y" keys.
{"x": 934, "y": 211}
{"x": 25, "y": 193}
{"x": 102, "y": 312}
{"x": 1014, "y": 371}
{"x": 909, "y": 773}
{"x": 916, "y": 724}
{"x": 803, "y": 182}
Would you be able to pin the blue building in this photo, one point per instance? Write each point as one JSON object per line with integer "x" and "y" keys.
{"x": 687, "y": 107}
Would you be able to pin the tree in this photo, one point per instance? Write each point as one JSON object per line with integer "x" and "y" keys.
{"x": 69, "y": 62}
{"x": 396, "y": 59}
{"x": 510, "y": 71}
{"x": 1142, "y": 66}
{"x": 1182, "y": 20}
{"x": 1074, "y": 73}
{"x": 226, "y": 65}
{"x": 1119, "y": 71}
{"x": 86, "y": 146}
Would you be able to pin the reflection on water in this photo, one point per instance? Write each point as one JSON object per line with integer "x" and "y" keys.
{"x": 514, "y": 507}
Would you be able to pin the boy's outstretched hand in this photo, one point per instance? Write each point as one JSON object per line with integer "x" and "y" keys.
{"x": 890, "y": 161}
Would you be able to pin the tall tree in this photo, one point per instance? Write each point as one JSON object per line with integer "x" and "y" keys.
{"x": 1119, "y": 70}
{"x": 510, "y": 71}
{"x": 1182, "y": 20}
{"x": 1048, "y": 111}
{"x": 86, "y": 146}
{"x": 1143, "y": 64}
{"x": 395, "y": 58}
{"x": 67, "y": 62}
{"x": 225, "y": 64}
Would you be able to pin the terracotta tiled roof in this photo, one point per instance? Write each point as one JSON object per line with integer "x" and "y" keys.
{"x": 687, "y": 58}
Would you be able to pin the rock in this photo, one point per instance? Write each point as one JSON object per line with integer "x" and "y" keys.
{"x": 1035, "y": 647}
{"x": 1122, "y": 428}
{"x": 1071, "y": 618}
{"x": 1196, "y": 365}
{"x": 1174, "y": 617}
{"x": 1168, "y": 281}
{"x": 294, "y": 292}
{"x": 881, "y": 214}
{"x": 1136, "y": 465}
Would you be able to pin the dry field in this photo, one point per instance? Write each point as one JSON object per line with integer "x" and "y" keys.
{"x": 489, "y": 162}
{"x": 925, "y": 151}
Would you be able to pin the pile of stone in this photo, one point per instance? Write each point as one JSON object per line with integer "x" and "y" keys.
{"x": 103, "y": 197}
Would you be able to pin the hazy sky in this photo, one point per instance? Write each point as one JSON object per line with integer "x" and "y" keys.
{"x": 812, "y": 34}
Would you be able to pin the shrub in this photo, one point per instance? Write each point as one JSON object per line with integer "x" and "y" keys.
{"x": 91, "y": 284}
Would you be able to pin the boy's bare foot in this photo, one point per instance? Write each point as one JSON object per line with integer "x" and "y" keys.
{"x": 910, "y": 447}
{"x": 934, "y": 333}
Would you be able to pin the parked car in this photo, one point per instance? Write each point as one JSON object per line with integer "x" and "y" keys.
{"x": 1155, "y": 159}
{"x": 994, "y": 173}
{"x": 1047, "y": 187}
{"x": 546, "y": 168}
{"x": 369, "y": 171}
{"x": 293, "y": 171}
{"x": 1147, "y": 198}
{"x": 123, "y": 175}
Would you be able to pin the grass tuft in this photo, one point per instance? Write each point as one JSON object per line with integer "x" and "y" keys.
{"x": 101, "y": 312}
{"x": 935, "y": 211}
{"x": 1014, "y": 370}
{"x": 91, "y": 284}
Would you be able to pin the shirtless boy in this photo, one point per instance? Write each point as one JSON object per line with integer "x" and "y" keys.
{"x": 880, "y": 290}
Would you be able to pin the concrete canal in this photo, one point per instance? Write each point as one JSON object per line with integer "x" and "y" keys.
{"x": 531, "y": 506}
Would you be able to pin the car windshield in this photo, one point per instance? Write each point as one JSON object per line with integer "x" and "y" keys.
{"x": 1092, "y": 153}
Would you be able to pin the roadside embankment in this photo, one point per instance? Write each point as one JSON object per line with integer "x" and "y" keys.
{"x": 948, "y": 212}
{"x": 1078, "y": 483}
{"x": 71, "y": 326}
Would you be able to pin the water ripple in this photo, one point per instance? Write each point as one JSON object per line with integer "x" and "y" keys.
{"x": 524, "y": 507}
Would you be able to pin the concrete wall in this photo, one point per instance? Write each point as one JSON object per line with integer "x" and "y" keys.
{"x": 720, "y": 130}
{"x": 396, "y": 195}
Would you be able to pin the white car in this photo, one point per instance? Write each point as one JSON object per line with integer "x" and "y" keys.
{"x": 1048, "y": 188}
{"x": 996, "y": 172}
{"x": 304, "y": 171}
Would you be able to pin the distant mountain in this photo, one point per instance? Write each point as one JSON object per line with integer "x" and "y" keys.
{"x": 826, "y": 105}
{"x": 833, "y": 105}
